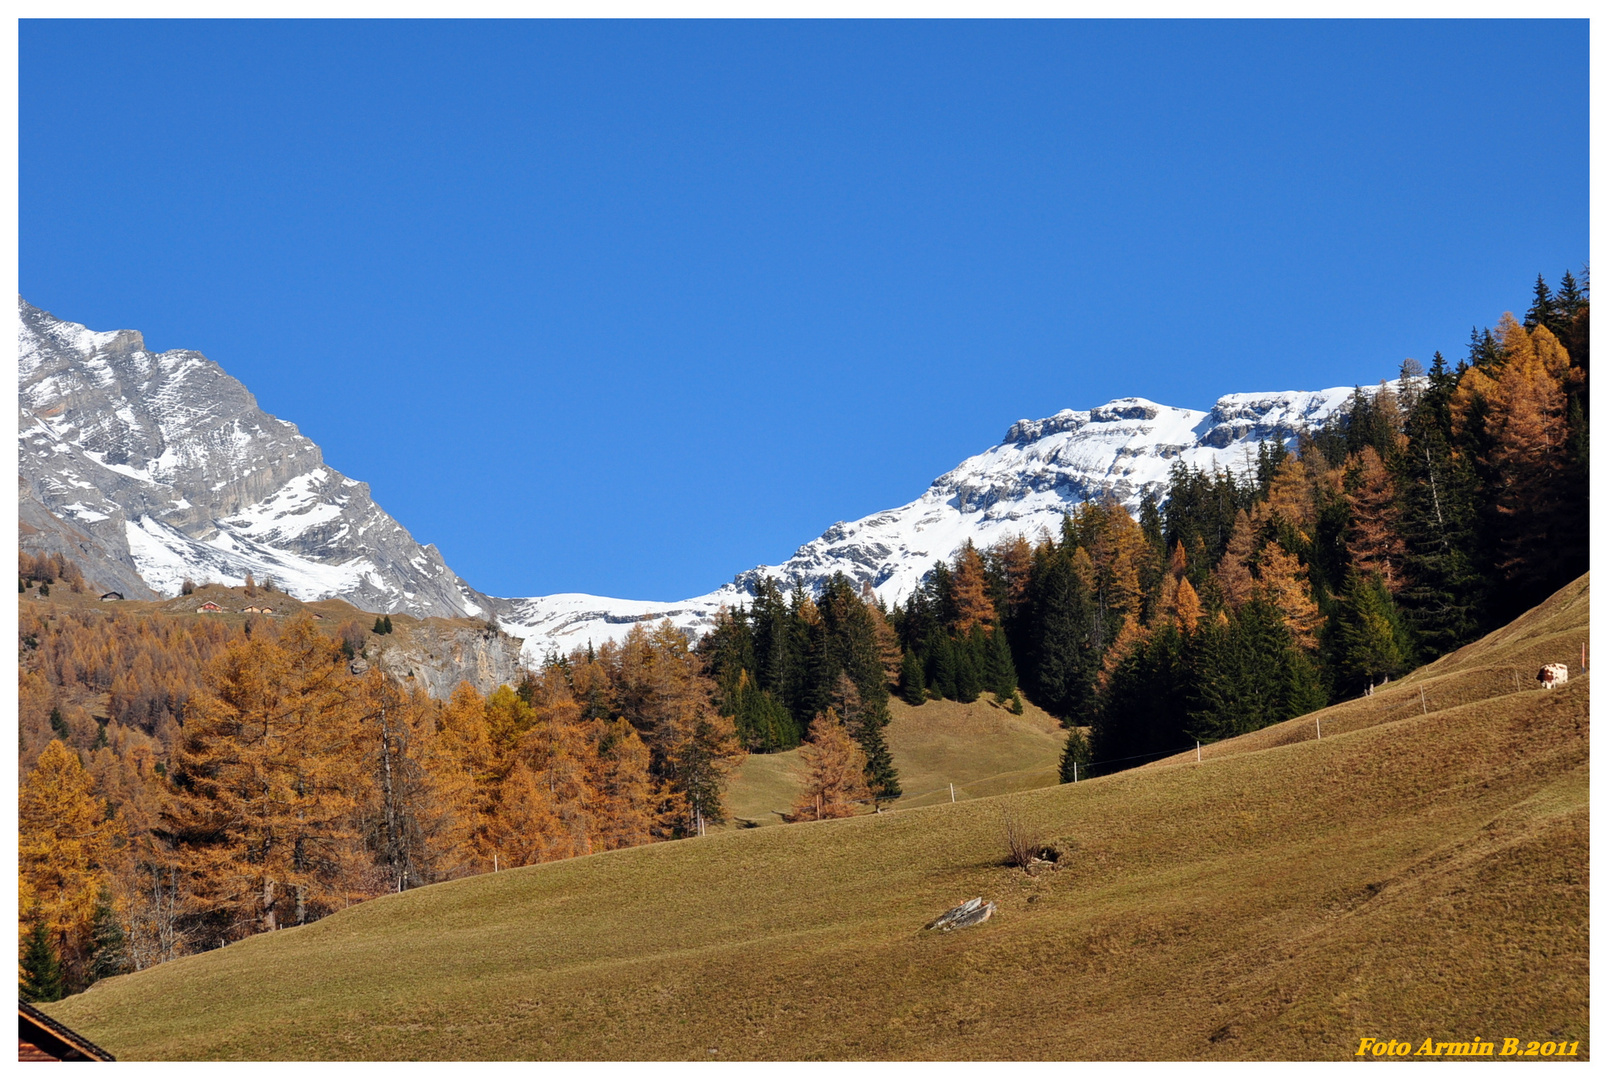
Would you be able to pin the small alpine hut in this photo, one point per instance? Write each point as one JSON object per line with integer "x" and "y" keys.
{"x": 112, "y": 596}
{"x": 39, "y": 1038}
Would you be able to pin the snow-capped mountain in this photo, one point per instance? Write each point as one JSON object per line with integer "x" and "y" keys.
{"x": 1040, "y": 471}
{"x": 148, "y": 468}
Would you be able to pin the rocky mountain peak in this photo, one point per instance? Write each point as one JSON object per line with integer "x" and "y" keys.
{"x": 167, "y": 467}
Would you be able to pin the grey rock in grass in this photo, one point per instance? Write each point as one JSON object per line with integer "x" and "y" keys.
{"x": 970, "y": 913}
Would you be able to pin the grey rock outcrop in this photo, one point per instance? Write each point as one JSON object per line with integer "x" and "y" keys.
{"x": 441, "y": 654}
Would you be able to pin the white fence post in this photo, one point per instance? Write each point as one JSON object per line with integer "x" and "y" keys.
{"x": 1197, "y": 751}
{"x": 951, "y": 791}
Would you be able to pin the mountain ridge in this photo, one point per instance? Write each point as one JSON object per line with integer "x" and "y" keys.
{"x": 154, "y": 467}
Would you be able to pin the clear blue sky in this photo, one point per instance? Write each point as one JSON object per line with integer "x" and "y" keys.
{"x": 628, "y": 308}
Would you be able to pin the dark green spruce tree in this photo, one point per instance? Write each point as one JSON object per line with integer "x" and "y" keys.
{"x": 1066, "y": 661}
{"x": 1075, "y": 757}
{"x": 1247, "y": 675}
{"x": 108, "y": 944}
{"x": 999, "y": 666}
{"x": 968, "y": 677}
{"x": 40, "y": 976}
{"x": 941, "y": 667}
{"x": 1543, "y": 309}
{"x": 1444, "y": 598}
{"x": 912, "y": 682}
{"x": 1373, "y": 644}
{"x": 1142, "y": 711}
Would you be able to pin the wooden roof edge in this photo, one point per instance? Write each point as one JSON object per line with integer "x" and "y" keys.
{"x": 63, "y": 1032}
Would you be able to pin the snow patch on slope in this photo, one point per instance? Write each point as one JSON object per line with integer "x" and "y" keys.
{"x": 164, "y": 557}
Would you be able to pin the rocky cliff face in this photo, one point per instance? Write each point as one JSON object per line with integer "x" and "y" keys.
{"x": 148, "y": 468}
{"x": 440, "y": 654}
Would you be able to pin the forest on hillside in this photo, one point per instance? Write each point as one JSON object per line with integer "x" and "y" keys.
{"x": 186, "y": 783}
{"x": 1431, "y": 510}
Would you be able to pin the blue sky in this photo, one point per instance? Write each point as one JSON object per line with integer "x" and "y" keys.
{"x": 628, "y": 308}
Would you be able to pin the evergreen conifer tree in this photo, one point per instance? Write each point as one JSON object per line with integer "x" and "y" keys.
{"x": 40, "y": 977}
{"x": 1066, "y": 664}
{"x": 1543, "y": 309}
{"x": 941, "y": 589}
{"x": 912, "y": 683}
{"x": 1445, "y": 594}
{"x": 1373, "y": 643}
{"x": 1569, "y": 300}
{"x": 968, "y": 679}
{"x": 941, "y": 678}
{"x": 1143, "y": 708}
{"x": 108, "y": 944}
{"x": 1000, "y": 666}
{"x": 880, "y": 773}
{"x": 1075, "y": 751}
{"x": 1241, "y": 673}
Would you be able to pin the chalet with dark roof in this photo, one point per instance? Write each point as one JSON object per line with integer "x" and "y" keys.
{"x": 40, "y": 1038}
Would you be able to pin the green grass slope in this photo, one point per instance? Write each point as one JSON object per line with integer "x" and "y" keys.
{"x": 1410, "y": 875}
{"x": 762, "y": 788}
{"x": 981, "y": 748}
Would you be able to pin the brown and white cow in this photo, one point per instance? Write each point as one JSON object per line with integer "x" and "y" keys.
{"x": 1552, "y": 675}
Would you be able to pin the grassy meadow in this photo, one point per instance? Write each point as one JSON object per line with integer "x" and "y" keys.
{"x": 1419, "y": 871}
{"x": 981, "y": 748}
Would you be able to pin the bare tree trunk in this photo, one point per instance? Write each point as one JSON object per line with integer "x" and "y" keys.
{"x": 167, "y": 921}
{"x": 393, "y": 832}
{"x": 269, "y": 923}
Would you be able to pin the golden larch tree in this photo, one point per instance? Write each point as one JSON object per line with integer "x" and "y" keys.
{"x": 969, "y": 589}
{"x": 1233, "y": 571}
{"x": 1374, "y": 540}
{"x": 1015, "y": 557}
{"x": 1528, "y": 458}
{"x": 267, "y": 781}
{"x": 628, "y": 798}
{"x": 65, "y": 845}
{"x": 1187, "y": 609}
{"x": 834, "y": 779}
{"x": 1284, "y": 584}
